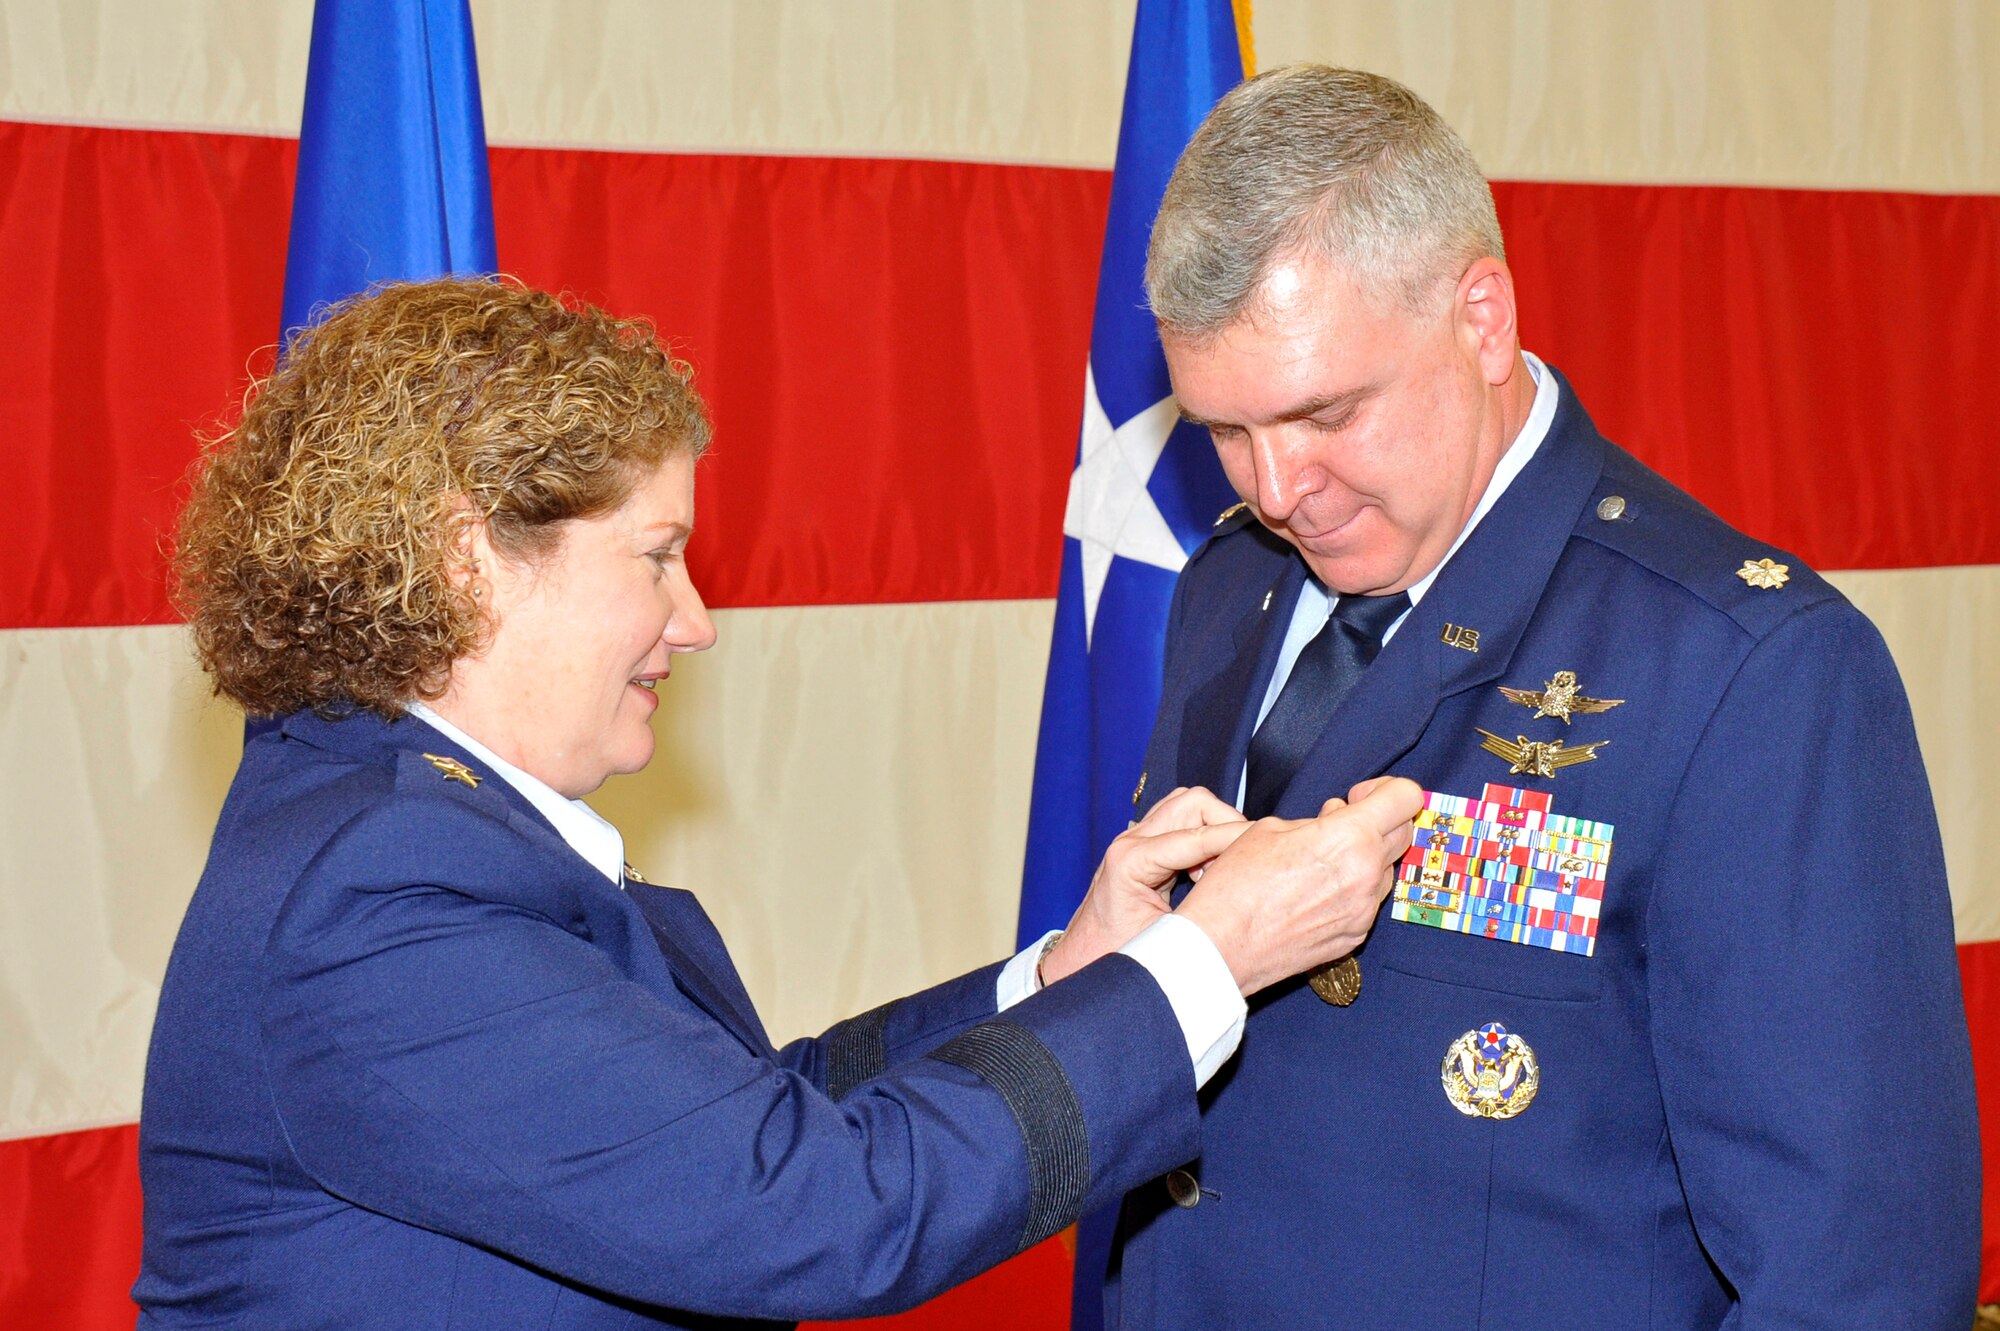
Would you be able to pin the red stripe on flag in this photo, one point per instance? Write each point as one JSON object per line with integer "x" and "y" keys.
{"x": 1030, "y": 1292}
{"x": 138, "y": 271}
{"x": 1807, "y": 363}
{"x": 1979, "y": 968}
{"x": 69, "y": 1218}
{"x": 895, "y": 351}
{"x": 69, "y": 1230}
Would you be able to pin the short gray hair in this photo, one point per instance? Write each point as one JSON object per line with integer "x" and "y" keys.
{"x": 1353, "y": 165}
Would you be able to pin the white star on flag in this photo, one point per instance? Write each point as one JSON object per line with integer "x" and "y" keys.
{"x": 1110, "y": 511}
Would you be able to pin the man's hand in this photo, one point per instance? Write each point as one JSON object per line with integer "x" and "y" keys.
{"x": 1182, "y": 833}
{"x": 1288, "y": 896}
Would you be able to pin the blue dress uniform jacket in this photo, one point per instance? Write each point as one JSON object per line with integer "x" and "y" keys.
{"x": 418, "y": 1065}
{"x": 1755, "y": 1105}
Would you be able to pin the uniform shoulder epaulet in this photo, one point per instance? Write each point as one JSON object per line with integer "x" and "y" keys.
{"x": 1647, "y": 519}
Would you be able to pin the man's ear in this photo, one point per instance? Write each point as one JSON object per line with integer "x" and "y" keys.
{"x": 1483, "y": 309}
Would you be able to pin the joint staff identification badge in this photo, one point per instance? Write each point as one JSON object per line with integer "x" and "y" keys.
{"x": 1504, "y": 866}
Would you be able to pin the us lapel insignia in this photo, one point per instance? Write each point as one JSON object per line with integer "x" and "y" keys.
{"x": 1139, "y": 791}
{"x": 1507, "y": 867}
{"x": 1490, "y": 1073}
{"x": 452, "y": 769}
{"x": 632, "y": 874}
{"x": 1560, "y": 697}
{"x": 1765, "y": 575}
{"x": 1461, "y": 637}
{"x": 1538, "y": 757}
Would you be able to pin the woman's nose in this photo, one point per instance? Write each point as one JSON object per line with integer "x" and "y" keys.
{"x": 690, "y": 628}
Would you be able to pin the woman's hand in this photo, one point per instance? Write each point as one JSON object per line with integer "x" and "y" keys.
{"x": 1182, "y": 833}
{"x": 1288, "y": 896}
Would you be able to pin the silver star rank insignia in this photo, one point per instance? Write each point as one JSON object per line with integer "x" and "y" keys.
{"x": 1559, "y": 698}
{"x": 1538, "y": 757}
{"x": 452, "y": 769}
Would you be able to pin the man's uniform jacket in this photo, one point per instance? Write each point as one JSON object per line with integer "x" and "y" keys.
{"x": 419, "y": 1065}
{"x": 1756, "y": 1104}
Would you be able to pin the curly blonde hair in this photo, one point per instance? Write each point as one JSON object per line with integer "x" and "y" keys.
{"x": 315, "y": 560}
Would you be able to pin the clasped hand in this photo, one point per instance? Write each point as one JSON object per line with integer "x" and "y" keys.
{"x": 1276, "y": 897}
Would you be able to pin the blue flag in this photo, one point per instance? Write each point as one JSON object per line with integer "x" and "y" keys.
{"x": 1146, "y": 489}
{"x": 392, "y": 181}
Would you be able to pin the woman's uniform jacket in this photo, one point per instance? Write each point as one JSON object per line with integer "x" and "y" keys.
{"x": 1755, "y": 1103}
{"x": 418, "y": 1065}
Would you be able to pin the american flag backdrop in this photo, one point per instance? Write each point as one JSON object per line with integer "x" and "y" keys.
{"x": 1762, "y": 238}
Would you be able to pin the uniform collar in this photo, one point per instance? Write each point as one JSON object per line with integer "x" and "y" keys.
{"x": 582, "y": 827}
{"x": 364, "y": 736}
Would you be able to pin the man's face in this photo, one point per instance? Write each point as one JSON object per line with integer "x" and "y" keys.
{"x": 1358, "y": 432}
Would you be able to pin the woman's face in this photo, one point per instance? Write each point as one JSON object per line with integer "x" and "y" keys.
{"x": 564, "y": 690}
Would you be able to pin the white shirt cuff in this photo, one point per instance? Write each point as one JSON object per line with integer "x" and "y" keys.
{"x": 1198, "y": 986}
{"x": 1017, "y": 977}
{"x": 1189, "y": 971}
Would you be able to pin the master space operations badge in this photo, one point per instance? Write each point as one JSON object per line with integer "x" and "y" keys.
{"x": 1490, "y": 1073}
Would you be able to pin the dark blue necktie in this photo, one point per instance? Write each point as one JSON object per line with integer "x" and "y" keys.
{"x": 1325, "y": 673}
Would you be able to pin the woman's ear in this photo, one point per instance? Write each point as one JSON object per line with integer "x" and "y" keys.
{"x": 472, "y": 557}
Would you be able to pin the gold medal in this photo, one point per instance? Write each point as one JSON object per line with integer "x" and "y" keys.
{"x": 1337, "y": 982}
{"x": 1490, "y": 1073}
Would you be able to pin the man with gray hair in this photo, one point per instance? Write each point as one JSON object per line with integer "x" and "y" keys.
{"x": 1660, "y": 1024}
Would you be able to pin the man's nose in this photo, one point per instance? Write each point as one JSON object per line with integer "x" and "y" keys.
{"x": 1285, "y": 474}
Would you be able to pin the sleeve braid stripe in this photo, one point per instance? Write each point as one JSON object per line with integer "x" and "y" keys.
{"x": 1014, "y": 1061}
{"x": 855, "y": 1051}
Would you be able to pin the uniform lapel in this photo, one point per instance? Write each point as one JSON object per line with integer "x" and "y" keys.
{"x": 659, "y": 936}
{"x": 1222, "y": 711}
{"x": 1491, "y": 586}
{"x": 695, "y": 953}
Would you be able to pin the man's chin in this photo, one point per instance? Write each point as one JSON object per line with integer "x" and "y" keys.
{"x": 1358, "y": 575}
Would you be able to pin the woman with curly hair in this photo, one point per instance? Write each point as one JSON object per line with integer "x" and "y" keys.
{"x": 429, "y": 1055}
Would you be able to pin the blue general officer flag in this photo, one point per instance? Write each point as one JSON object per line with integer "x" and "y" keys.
{"x": 392, "y": 182}
{"x": 1145, "y": 491}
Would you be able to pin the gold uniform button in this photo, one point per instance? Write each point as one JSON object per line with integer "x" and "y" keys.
{"x": 1184, "y": 1191}
{"x": 1611, "y": 507}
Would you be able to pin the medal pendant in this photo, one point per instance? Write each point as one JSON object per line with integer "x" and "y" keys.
{"x": 1337, "y": 982}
